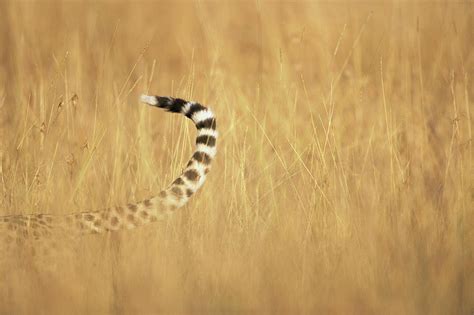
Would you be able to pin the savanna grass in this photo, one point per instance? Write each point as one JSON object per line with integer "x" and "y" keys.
{"x": 343, "y": 182}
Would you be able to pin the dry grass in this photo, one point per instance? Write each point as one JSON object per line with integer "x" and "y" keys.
{"x": 344, "y": 179}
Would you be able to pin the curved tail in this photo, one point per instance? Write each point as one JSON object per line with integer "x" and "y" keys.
{"x": 194, "y": 175}
{"x": 149, "y": 210}
{"x": 180, "y": 190}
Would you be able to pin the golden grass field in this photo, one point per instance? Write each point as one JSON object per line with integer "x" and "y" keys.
{"x": 344, "y": 177}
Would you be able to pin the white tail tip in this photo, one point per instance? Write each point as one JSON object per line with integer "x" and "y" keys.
{"x": 151, "y": 100}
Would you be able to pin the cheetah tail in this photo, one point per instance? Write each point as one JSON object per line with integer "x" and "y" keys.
{"x": 133, "y": 215}
{"x": 194, "y": 174}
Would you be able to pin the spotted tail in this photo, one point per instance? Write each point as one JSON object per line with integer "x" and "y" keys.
{"x": 149, "y": 210}
{"x": 194, "y": 174}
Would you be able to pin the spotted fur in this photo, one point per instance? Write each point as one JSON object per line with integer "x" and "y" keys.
{"x": 20, "y": 228}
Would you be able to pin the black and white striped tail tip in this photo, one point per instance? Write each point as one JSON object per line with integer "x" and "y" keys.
{"x": 202, "y": 116}
{"x": 174, "y": 105}
{"x": 149, "y": 99}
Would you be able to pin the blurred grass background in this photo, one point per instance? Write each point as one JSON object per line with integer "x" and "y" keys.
{"x": 344, "y": 177}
